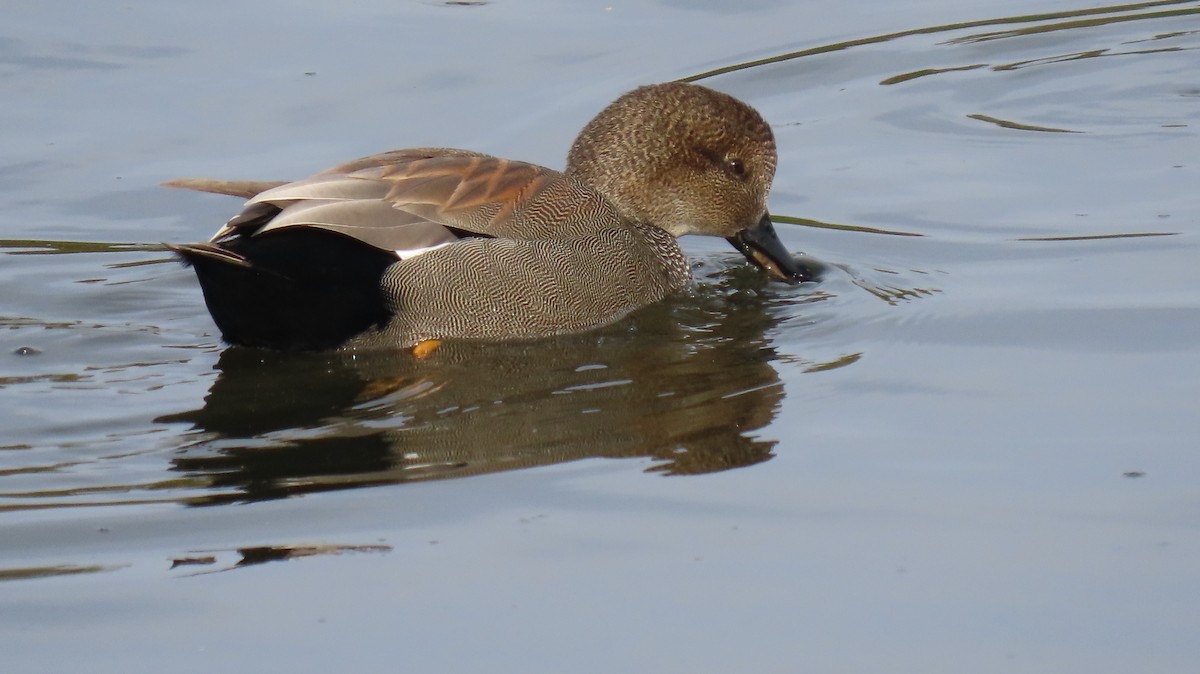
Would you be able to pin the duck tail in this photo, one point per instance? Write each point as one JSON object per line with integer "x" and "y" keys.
{"x": 192, "y": 254}
{"x": 245, "y": 189}
{"x": 283, "y": 291}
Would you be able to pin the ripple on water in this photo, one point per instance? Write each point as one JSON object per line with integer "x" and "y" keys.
{"x": 937, "y": 173}
{"x": 1012, "y": 114}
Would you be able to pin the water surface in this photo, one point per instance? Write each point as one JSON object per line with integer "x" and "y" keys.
{"x": 971, "y": 447}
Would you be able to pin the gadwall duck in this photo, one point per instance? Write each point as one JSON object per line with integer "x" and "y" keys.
{"x": 408, "y": 247}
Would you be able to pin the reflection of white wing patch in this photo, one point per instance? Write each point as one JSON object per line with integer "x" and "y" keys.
{"x": 413, "y": 252}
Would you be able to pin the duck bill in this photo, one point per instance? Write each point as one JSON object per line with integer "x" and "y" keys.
{"x": 761, "y": 245}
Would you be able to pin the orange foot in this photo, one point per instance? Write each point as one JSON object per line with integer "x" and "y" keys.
{"x": 426, "y": 348}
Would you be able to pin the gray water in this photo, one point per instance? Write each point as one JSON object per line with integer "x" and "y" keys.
{"x": 974, "y": 446}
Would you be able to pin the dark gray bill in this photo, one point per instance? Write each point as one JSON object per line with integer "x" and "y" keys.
{"x": 762, "y": 246}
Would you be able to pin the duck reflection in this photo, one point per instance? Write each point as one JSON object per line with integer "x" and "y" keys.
{"x": 687, "y": 384}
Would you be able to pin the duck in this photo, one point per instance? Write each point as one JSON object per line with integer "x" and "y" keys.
{"x": 406, "y": 248}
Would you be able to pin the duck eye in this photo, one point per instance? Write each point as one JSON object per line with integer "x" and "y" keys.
{"x": 736, "y": 168}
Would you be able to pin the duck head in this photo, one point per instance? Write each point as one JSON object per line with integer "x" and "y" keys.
{"x": 689, "y": 160}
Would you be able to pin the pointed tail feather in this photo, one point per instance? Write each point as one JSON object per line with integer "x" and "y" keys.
{"x": 245, "y": 189}
{"x": 191, "y": 253}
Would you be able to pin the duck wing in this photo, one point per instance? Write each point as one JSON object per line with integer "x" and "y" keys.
{"x": 411, "y": 200}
